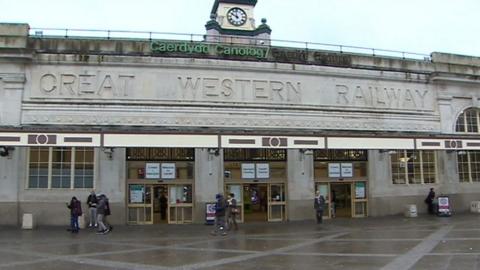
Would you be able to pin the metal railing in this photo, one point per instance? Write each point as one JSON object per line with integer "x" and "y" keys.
{"x": 150, "y": 35}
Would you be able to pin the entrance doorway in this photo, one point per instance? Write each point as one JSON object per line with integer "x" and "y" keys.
{"x": 255, "y": 202}
{"x": 259, "y": 202}
{"x": 160, "y": 203}
{"x": 341, "y": 198}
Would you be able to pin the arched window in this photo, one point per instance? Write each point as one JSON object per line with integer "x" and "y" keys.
{"x": 468, "y": 121}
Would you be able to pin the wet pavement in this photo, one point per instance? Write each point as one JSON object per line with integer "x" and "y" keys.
{"x": 386, "y": 243}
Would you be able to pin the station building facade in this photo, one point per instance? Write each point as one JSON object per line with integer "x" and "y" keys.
{"x": 149, "y": 121}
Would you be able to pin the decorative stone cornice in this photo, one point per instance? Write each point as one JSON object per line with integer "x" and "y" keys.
{"x": 229, "y": 121}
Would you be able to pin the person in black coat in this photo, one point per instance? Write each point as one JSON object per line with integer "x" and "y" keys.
{"x": 319, "y": 205}
{"x": 75, "y": 207}
{"x": 429, "y": 201}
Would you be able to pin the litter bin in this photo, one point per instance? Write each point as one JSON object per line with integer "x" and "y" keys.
{"x": 475, "y": 207}
{"x": 411, "y": 210}
{"x": 443, "y": 206}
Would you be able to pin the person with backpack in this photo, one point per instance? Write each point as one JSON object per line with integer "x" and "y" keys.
{"x": 220, "y": 210}
{"x": 75, "y": 207}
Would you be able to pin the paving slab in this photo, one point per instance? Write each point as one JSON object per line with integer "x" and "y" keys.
{"x": 288, "y": 262}
{"x": 448, "y": 262}
{"x": 449, "y": 246}
{"x": 360, "y": 247}
{"x": 166, "y": 258}
{"x": 247, "y": 244}
{"x": 55, "y": 265}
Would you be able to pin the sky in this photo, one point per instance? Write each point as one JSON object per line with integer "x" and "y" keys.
{"x": 419, "y": 26}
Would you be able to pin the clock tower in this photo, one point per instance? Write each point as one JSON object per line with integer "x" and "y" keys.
{"x": 233, "y": 21}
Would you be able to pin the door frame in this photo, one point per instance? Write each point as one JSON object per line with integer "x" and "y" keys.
{"x": 344, "y": 183}
{"x": 282, "y": 203}
{"x": 355, "y": 202}
{"x": 270, "y": 203}
{"x": 150, "y": 205}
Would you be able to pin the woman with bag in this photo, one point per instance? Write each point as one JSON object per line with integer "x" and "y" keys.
{"x": 232, "y": 211}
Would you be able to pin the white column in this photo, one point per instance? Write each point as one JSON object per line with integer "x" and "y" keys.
{"x": 208, "y": 180}
{"x": 301, "y": 189}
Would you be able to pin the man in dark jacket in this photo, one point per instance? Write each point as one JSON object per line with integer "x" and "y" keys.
{"x": 429, "y": 201}
{"x": 319, "y": 205}
{"x": 220, "y": 209}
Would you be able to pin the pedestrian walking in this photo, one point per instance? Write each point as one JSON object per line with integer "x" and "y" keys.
{"x": 220, "y": 209}
{"x": 319, "y": 205}
{"x": 92, "y": 209}
{"x": 232, "y": 212}
{"x": 101, "y": 213}
{"x": 75, "y": 207}
{"x": 107, "y": 213}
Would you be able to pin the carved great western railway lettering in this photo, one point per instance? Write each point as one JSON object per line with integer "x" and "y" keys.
{"x": 88, "y": 84}
{"x": 240, "y": 89}
{"x": 381, "y": 97}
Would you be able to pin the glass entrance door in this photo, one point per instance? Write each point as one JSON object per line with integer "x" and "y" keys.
{"x": 276, "y": 202}
{"x": 154, "y": 204}
{"x": 259, "y": 202}
{"x": 255, "y": 202}
{"x": 180, "y": 204}
{"x": 160, "y": 204}
{"x": 342, "y": 198}
{"x": 360, "y": 199}
{"x": 324, "y": 189}
{"x": 140, "y": 206}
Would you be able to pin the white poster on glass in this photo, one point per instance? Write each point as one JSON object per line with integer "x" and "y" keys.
{"x": 347, "y": 169}
{"x": 360, "y": 190}
{"x": 334, "y": 170}
{"x": 237, "y": 192}
{"x": 263, "y": 170}
{"x": 168, "y": 171}
{"x": 136, "y": 194}
{"x": 248, "y": 170}
{"x": 152, "y": 170}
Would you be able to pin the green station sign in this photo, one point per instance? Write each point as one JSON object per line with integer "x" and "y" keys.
{"x": 209, "y": 49}
{"x": 170, "y": 48}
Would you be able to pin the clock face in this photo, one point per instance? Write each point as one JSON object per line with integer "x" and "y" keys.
{"x": 237, "y": 16}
